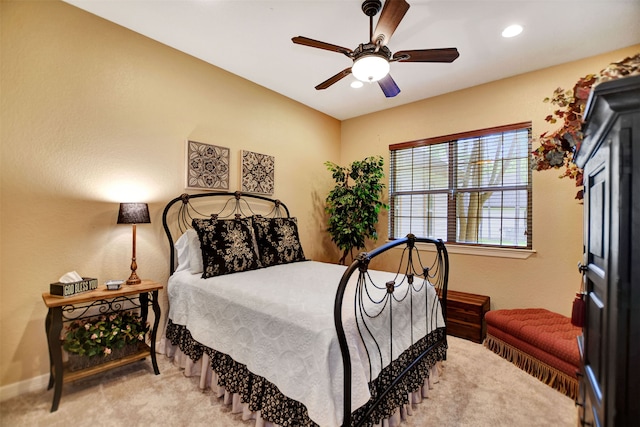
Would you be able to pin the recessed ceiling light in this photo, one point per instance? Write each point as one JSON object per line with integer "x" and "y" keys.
{"x": 356, "y": 84}
{"x": 512, "y": 30}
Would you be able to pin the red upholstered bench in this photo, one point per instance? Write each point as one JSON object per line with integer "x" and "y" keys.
{"x": 540, "y": 342}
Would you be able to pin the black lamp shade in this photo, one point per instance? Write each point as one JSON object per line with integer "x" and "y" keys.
{"x": 133, "y": 213}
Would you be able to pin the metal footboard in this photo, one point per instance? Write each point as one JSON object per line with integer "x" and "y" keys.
{"x": 412, "y": 277}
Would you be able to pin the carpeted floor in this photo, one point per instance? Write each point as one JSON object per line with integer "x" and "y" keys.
{"x": 477, "y": 388}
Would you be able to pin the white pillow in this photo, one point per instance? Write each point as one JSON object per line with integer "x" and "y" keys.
{"x": 195, "y": 252}
{"x": 182, "y": 248}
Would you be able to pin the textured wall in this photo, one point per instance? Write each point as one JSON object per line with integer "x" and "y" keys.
{"x": 94, "y": 114}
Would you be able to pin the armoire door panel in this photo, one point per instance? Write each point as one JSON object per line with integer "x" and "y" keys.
{"x": 597, "y": 208}
{"x": 595, "y": 346}
{"x": 597, "y": 181}
{"x": 596, "y": 218}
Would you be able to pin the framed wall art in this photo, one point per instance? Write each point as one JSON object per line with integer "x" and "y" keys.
{"x": 207, "y": 166}
{"x": 257, "y": 173}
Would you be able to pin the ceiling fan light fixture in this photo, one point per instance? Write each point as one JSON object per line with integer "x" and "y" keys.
{"x": 370, "y": 68}
{"x": 356, "y": 84}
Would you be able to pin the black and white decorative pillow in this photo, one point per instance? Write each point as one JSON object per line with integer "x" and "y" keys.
{"x": 228, "y": 246}
{"x": 278, "y": 240}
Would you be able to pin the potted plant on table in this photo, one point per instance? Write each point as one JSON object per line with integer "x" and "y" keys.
{"x": 98, "y": 339}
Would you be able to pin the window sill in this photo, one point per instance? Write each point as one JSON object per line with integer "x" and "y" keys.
{"x": 482, "y": 251}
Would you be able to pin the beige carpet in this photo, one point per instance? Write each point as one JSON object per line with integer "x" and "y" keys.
{"x": 477, "y": 388}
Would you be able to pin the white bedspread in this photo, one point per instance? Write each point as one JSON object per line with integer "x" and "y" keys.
{"x": 279, "y": 322}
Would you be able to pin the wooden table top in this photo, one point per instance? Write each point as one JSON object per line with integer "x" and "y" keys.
{"x": 100, "y": 293}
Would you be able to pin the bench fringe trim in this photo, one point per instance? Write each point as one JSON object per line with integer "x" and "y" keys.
{"x": 549, "y": 375}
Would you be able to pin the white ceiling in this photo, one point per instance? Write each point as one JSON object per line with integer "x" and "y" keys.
{"x": 252, "y": 39}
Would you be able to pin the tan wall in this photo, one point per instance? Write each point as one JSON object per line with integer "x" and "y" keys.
{"x": 94, "y": 114}
{"x": 547, "y": 279}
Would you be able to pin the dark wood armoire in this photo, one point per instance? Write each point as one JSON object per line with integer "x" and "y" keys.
{"x": 610, "y": 343}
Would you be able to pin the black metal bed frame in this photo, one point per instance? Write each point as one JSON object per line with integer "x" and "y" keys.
{"x": 410, "y": 267}
{"x": 408, "y": 270}
{"x": 233, "y": 206}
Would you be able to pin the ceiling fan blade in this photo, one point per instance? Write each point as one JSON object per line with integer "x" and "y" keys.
{"x": 427, "y": 55}
{"x": 392, "y": 13}
{"x": 389, "y": 86}
{"x": 331, "y": 80}
{"x": 305, "y": 41}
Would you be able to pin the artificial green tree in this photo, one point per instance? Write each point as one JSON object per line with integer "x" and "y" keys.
{"x": 354, "y": 203}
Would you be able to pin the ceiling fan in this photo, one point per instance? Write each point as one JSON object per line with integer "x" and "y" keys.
{"x": 371, "y": 60}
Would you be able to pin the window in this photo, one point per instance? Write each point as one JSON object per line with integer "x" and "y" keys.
{"x": 472, "y": 188}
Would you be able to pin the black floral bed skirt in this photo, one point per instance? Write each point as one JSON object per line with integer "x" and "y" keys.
{"x": 262, "y": 395}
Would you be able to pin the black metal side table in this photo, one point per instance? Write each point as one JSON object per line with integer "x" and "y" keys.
{"x": 95, "y": 303}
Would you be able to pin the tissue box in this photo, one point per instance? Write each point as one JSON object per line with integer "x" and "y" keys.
{"x": 68, "y": 289}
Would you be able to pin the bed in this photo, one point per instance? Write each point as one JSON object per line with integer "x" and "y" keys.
{"x": 291, "y": 341}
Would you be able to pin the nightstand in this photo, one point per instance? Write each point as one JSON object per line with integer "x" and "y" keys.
{"x": 465, "y": 315}
{"x": 91, "y": 304}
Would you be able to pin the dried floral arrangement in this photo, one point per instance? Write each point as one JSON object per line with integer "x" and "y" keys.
{"x": 557, "y": 148}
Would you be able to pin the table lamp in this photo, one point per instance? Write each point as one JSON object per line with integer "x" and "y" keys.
{"x": 133, "y": 213}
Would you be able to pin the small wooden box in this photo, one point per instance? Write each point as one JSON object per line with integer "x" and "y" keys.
{"x": 465, "y": 315}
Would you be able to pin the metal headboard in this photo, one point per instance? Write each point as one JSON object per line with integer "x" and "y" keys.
{"x": 216, "y": 205}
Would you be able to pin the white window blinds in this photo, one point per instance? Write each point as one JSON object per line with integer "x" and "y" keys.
{"x": 471, "y": 188}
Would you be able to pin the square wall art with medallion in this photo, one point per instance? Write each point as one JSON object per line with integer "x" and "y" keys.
{"x": 257, "y": 173}
{"x": 207, "y": 166}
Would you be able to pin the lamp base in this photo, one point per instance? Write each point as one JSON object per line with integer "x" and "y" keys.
{"x": 133, "y": 279}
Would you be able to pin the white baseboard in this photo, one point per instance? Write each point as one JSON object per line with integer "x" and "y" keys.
{"x": 27, "y": 386}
